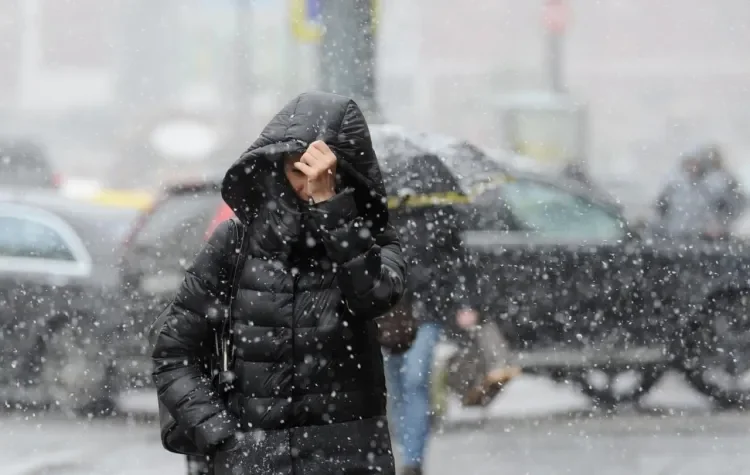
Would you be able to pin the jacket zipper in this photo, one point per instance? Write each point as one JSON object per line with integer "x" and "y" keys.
{"x": 295, "y": 284}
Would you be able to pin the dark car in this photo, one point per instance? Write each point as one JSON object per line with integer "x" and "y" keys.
{"x": 24, "y": 163}
{"x": 576, "y": 289}
{"x": 58, "y": 279}
{"x": 164, "y": 240}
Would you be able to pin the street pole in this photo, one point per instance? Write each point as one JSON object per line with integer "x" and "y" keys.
{"x": 555, "y": 17}
{"x": 241, "y": 102}
{"x": 555, "y": 61}
{"x": 347, "y": 55}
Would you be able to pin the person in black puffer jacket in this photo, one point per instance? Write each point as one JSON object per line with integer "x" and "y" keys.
{"x": 309, "y": 395}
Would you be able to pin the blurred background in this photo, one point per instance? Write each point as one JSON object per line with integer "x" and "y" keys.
{"x": 89, "y": 78}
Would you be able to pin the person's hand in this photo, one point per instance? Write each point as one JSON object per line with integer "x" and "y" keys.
{"x": 318, "y": 163}
{"x": 467, "y": 318}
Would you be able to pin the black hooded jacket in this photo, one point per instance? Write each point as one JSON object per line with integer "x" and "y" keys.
{"x": 309, "y": 393}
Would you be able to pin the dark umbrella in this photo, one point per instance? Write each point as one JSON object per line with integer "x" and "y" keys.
{"x": 431, "y": 167}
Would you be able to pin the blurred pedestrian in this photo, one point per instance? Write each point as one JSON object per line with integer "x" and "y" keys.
{"x": 703, "y": 200}
{"x": 684, "y": 206}
{"x": 440, "y": 282}
{"x": 307, "y": 392}
{"x": 723, "y": 187}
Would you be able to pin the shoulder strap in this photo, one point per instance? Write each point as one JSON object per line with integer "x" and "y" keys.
{"x": 239, "y": 265}
{"x": 240, "y": 246}
{"x": 159, "y": 323}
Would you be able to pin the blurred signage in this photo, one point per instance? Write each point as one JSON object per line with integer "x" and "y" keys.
{"x": 549, "y": 128}
{"x": 306, "y": 18}
{"x": 555, "y": 15}
{"x": 549, "y": 136}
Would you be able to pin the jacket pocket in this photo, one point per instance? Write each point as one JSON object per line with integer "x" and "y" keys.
{"x": 230, "y": 445}
{"x": 261, "y": 453}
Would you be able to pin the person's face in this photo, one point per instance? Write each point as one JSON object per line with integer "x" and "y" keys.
{"x": 691, "y": 167}
{"x": 296, "y": 178}
{"x": 715, "y": 159}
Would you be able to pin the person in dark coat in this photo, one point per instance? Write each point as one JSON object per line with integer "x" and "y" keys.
{"x": 441, "y": 282}
{"x": 309, "y": 392}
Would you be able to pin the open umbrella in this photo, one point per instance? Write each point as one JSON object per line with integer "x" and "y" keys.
{"x": 431, "y": 168}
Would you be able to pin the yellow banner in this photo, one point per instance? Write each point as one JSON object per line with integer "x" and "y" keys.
{"x": 139, "y": 200}
{"x": 447, "y": 198}
{"x": 309, "y": 30}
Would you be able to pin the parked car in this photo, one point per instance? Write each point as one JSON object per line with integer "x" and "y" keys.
{"x": 58, "y": 282}
{"x": 163, "y": 241}
{"x": 584, "y": 291}
{"x": 24, "y": 163}
{"x": 578, "y": 291}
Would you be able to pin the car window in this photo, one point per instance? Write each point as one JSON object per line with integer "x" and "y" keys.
{"x": 23, "y": 164}
{"x": 102, "y": 229}
{"x": 179, "y": 223}
{"x": 493, "y": 217}
{"x": 24, "y": 176}
{"x": 27, "y": 238}
{"x": 554, "y": 213}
